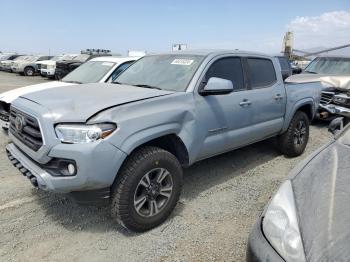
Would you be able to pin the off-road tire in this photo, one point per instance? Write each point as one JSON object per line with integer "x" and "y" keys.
{"x": 133, "y": 170}
{"x": 286, "y": 141}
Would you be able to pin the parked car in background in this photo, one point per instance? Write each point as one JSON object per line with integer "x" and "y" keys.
{"x": 324, "y": 66}
{"x": 308, "y": 217}
{"x": 101, "y": 69}
{"x": 48, "y": 67}
{"x": 335, "y": 99}
{"x": 5, "y": 56}
{"x": 64, "y": 67}
{"x": 7, "y": 64}
{"x": 127, "y": 141}
{"x": 7, "y": 60}
{"x": 28, "y": 65}
{"x": 334, "y": 72}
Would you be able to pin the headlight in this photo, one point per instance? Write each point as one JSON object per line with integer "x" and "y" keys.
{"x": 341, "y": 100}
{"x": 51, "y": 67}
{"x": 80, "y": 133}
{"x": 280, "y": 225}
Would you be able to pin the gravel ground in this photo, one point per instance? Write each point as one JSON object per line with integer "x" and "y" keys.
{"x": 222, "y": 197}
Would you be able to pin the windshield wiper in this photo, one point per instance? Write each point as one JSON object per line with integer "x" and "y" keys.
{"x": 73, "y": 82}
{"x": 148, "y": 86}
{"x": 311, "y": 72}
{"x": 116, "y": 82}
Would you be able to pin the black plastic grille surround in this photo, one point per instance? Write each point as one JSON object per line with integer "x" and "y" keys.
{"x": 4, "y": 111}
{"x": 26, "y": 129}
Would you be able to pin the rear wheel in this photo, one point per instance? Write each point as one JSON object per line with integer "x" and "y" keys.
{"x": 29, "y": 71}
{"x": 147, "y": 189}
{"x": 293, "y": 142}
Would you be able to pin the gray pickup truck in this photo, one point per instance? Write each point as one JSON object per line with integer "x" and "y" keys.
{"x": 127, "y": 141}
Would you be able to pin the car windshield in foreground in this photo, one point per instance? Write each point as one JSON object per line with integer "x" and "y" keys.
{"x": 89, "y": 72}
{"x": 165, "y": 72}
{"x": 329, "y": 65}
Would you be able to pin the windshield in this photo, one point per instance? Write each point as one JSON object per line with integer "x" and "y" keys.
{"x": 56, "y": 58}
{"x": 68, "y": 57}
{"x": 31, "y": 58}
{"x": 82, "y": 57}
{"x": 329, "y": 65}
{"x": 166, "y": 72}
{"x": 89, "y": 72}
{"x": 19, "y": 58}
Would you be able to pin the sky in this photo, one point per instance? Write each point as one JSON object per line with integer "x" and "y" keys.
{"x": 30, "y": 26}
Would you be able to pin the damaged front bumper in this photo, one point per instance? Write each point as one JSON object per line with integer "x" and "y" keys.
{"x": 336, "y": 109}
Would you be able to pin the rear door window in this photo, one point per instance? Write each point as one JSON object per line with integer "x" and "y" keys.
{"x": 261, "y": 72}
{"x": 284, "y": 63}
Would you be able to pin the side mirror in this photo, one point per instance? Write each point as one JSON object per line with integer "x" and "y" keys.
{"x": 336, "y": 125}
{"x": 217, "y": 86}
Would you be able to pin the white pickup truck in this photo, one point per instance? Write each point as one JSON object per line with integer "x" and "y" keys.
{"x": 97, "y": 70}
{"x": 48, "y": 67}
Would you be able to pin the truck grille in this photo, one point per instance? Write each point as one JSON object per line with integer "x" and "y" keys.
{"x": 326, "y": 97}
{"x": 26, "y": 129}
{"x": 39, "y": 66}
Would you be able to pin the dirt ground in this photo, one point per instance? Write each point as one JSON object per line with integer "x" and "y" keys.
{"x": 222, "y": 197}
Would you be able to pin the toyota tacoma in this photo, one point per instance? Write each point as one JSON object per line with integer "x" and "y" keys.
{"x": 127, "y": 141}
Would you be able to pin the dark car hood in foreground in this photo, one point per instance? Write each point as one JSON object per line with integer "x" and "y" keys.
{"x": 80, "y": 102}
{"x": 322, "y": 196}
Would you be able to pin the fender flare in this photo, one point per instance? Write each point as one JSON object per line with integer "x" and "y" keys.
{"x": 146, "y": 135}
{"x": 306, "y": 101}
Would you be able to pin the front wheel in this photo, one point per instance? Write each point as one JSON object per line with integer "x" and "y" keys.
{"x": 292, "y": 143}
{"x": 29, "y": 71}
{"x": 147, "y": 189}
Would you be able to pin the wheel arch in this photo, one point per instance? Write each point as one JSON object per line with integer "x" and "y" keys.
{"x": 305, "y": 105}
{"x": 170, "y": 142}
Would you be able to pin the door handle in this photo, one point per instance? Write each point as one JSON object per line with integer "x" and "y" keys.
{"x": 245, "y": 102}
{"x": 278, "y": 97}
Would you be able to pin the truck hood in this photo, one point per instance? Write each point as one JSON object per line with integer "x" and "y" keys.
{"x": 48, "y": 62}
{"x": 78, "y": 103}
{"x": 322, "y": 196}
{"x": 341, "y": 83}
{"x": 304, "y": 78}
{"x": 11, "y": 95}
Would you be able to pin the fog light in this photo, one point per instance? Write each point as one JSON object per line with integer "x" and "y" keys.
{"x": 71, "y": 169}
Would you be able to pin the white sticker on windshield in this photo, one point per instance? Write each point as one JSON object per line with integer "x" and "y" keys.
{"x": 107, "y": 64}
{"x": 182, "y": 62}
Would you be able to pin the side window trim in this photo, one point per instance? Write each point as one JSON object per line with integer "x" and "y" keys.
{"x": 215, "y": 59}
{"x": 248, "y": 75}
{"x": 109, "y": 79}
